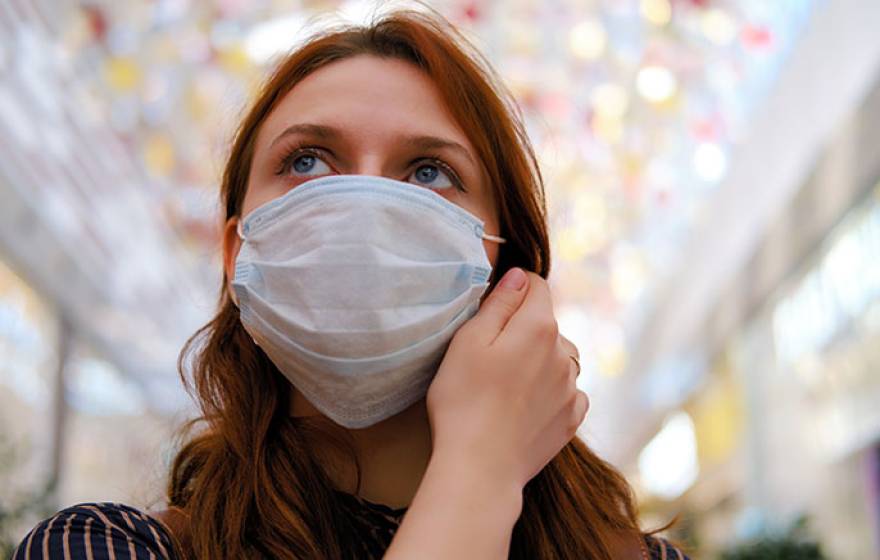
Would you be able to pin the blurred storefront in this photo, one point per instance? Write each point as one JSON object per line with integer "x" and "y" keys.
{"x": 73, "y": 426}
{"x": 787, "y": 424}
{"x": 784, "y": 420}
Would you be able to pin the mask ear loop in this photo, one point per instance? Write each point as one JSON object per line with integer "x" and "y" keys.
{"x": 494, "y": 238}
{"x": 232, "y": 296}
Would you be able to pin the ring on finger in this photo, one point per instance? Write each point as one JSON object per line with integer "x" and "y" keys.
{"x": 577, "y": 363}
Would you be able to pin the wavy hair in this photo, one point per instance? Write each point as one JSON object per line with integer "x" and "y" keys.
{"x": 248, "y": 478}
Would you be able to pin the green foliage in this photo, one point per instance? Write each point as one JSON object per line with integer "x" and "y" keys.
{"x": 15, "y": 510}
{"x": 775, "y": 548}
{"x": 794, "y": 544}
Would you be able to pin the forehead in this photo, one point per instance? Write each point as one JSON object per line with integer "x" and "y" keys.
{"x": 368, "y": 96}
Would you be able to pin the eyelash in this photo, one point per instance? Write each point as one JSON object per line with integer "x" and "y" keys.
{"x": 290, "y": 155}
{"x": 294, "y": 152}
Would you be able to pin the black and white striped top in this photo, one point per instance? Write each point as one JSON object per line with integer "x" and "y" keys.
{"x": 101, "y": 531}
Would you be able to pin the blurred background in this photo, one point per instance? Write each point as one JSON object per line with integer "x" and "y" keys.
{"x": 712, "y": 170}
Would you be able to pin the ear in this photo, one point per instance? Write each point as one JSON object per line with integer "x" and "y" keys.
{"x": 231, "y": 246}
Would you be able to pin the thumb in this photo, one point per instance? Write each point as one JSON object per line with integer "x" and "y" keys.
{"x": 502, "y": 302}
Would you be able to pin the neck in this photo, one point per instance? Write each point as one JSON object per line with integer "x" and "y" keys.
{"x": 393, "y": 455}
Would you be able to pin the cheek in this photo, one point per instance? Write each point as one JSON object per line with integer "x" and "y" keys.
{"x": 261, "y": 188}
{"x": 259, "y": 196}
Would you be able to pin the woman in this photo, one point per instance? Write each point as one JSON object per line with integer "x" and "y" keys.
{"x": 378, "y": 192}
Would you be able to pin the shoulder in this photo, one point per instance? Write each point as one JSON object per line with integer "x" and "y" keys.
{"x": 97, "y": 530}
{"x": 661, "y": 549}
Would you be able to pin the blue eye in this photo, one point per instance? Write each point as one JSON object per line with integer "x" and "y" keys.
{"x": 430, "y": 175}
{"x": 307, "y": 165}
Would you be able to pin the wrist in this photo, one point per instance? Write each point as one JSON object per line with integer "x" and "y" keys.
{"x": 474, "y": 484}
{"x": 459, "y": 511}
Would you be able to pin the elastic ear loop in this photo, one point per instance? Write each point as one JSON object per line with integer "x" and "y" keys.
{"x": 494, "y": 239}
{"x": 232, "y": 295}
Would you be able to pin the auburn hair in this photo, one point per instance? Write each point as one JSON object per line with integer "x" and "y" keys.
{"x": 247, "y": 479}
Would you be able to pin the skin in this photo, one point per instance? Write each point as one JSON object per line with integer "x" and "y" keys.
{"x": 373, "y": 123}
{"x": 504, "y": 400}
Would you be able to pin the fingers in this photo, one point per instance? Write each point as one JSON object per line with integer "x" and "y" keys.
{"x": 575, "y": 368}
{"x": 573, "y": 354}
{"x": 579, "y": 410}
{"x": 505, "y": 299}
{"x": 572, "y": 415}
{"x": 534, "y": 318}
{"x": 569, "y": 347}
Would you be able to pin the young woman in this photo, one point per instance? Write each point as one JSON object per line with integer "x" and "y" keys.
{"x": 384, "y": 376}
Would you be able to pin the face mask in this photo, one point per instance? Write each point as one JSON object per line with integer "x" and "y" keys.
{"x": 354, "y": 285}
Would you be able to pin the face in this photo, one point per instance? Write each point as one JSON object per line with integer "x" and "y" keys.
{"x": 369, "y": 116}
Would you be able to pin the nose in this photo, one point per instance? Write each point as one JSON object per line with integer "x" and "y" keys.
{"x": 370, "y": 164}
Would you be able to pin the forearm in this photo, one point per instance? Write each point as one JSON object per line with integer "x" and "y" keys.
{"x": 457, "y": 512}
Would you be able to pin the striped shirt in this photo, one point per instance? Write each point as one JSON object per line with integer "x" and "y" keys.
{"x": 95, "y": 531}
{"x": 101, "y": 531}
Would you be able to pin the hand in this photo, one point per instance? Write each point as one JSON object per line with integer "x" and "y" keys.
{"x": 504, "y": 398}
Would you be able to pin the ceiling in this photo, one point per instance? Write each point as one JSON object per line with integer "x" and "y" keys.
{"x": 115, "y": 117}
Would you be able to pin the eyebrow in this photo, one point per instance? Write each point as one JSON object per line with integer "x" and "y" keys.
{"x": 418, "y": 141}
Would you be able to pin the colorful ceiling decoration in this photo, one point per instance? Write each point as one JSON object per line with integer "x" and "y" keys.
{"x": 115, "y": 118}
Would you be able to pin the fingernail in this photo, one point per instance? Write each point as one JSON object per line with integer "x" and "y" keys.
{"x": 515, "y": 279}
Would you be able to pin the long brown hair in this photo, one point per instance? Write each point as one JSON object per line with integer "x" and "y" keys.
{"x": 248, "y": 481}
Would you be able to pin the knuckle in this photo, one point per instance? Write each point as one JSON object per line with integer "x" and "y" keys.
{"x": 506, "y": 303}
{"x": 554, "y": 327}
{"x": 536, "y": 279}
{"x": 570, "y": 417}
{"x": 548, "y": 328}
{"x": 574, "y": 423}
{"x": 566, "y": 343}
{"x": 583, "y": 404}
{"x": 565, "y": 366}
{"x": 565, "y": 358}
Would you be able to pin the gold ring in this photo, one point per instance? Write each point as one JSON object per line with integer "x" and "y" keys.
{"x": 577, "y": 363}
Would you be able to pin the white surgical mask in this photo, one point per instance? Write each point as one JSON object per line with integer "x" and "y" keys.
{"x": 354, "y": 285}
